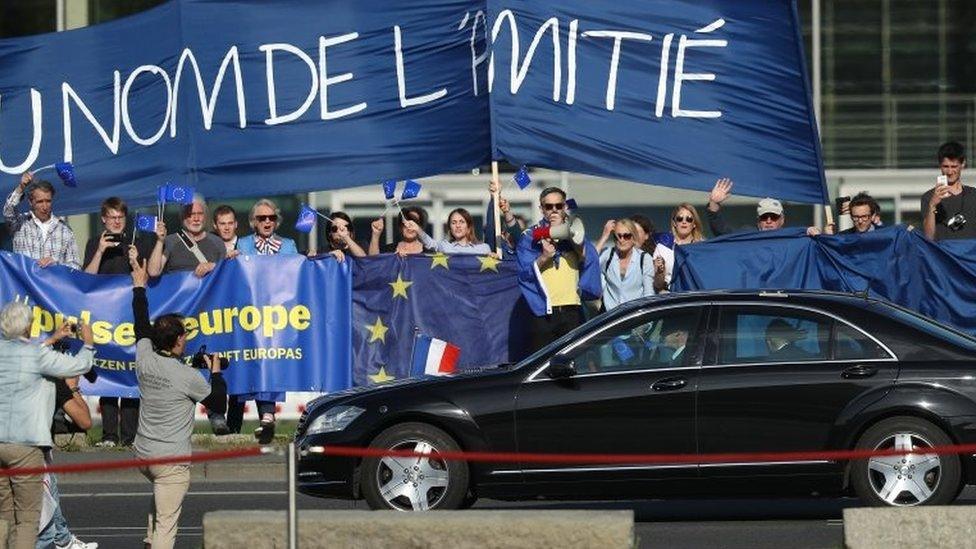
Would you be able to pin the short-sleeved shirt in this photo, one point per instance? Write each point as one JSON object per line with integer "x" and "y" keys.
{"x": 963, "y": 203}
{"x": 180, "y": 258}
{"x": 170, "y": 390}
{"x": 115, "y": 260}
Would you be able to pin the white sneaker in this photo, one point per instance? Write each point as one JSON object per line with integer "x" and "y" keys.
{"x": 104, "y": 444}
{"x": 78, "y": 544}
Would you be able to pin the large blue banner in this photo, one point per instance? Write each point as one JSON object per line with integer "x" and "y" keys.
{"x": 283, "y": 322}
{"x": 472, "y": 302}
{"x": 251, "y": 97}
{"x": 247, "y": 98}
{"x": 667, "y": 92}
{"x": 902, "y": 266}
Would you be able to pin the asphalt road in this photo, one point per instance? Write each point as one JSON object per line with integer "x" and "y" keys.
{"x": 114, "y": 515}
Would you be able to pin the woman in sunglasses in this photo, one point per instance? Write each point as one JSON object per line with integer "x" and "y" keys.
{"x": 461, "y": 238}
{"x": 627, "y": 271}
{"x": 686, "y": 225}
{"x": 264, "y": 241}
{"x": 342, "y": 236}
{"x": 409, "y": 233}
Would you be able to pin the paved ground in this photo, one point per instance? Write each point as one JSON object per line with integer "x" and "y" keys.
{"x": 112, "y": 510}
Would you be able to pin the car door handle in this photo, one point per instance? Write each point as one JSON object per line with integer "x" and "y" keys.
{"x": 670, "y": 384}
{"x": 859, "y": 371}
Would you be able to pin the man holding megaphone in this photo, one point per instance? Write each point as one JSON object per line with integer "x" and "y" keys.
{"x": 558, "y": 270}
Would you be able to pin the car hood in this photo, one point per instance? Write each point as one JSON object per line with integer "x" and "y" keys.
{"x": 391, "y": 386}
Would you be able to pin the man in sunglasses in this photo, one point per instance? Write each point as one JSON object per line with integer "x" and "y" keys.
{"x": 555, "y": 276}
{"x": 191, "y": 249}
{"x": 769, "y": 212}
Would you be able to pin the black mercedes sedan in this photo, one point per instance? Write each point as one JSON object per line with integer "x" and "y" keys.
{"x": 696, "y": 375}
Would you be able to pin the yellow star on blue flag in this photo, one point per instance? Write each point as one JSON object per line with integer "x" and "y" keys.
{"x": 380, "y": 376}
{"x": 439, "y": 260}
{"x": 400, "y": 287}
{"x": 377, "y": 331}
{"x": 488, "y": 263}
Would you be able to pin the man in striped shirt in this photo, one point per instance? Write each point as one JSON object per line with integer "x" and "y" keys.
{"x": 39, "y": 234}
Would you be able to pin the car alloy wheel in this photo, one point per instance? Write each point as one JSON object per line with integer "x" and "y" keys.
{"x": 905, "y": 480}
{"x": 916, "y": 478}
{"x": 414, "y": 483}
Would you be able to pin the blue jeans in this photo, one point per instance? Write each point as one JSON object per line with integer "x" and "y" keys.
{"x": 56, "y": 532}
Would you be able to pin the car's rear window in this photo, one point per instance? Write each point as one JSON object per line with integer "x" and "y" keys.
{"x": 929, "y": 326}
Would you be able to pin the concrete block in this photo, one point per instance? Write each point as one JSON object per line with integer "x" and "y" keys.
{"x": 437, "y": 529}
{"x": 910, "y": 527}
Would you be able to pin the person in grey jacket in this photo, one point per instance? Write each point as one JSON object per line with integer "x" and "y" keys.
{"x": 26, "y": 408}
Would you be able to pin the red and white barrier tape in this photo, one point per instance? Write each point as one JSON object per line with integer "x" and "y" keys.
{"x": 136, "y": 462}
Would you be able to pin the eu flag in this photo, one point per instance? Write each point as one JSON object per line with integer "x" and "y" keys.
{"x": 306, "y": 219}
{"x": 171, "y": 192}
{"x": 521, "y": 178}
{"x": 471, "y": 301}
{"x": 411, "y": 189}
{"x": 389, "y": 188}
{"x": 146, "y": 223}
{"x": 66, "y": 171}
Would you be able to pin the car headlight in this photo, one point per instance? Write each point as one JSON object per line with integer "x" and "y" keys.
{"x": 334, "y": 419}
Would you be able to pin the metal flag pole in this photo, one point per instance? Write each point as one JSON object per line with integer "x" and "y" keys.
{"x": 292, "y": 508}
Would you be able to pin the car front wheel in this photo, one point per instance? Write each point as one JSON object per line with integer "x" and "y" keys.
{"x": 414, "y": 483}
{"x": 917, "y": 478}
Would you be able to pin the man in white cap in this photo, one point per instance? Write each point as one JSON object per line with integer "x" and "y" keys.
{"x": 769, "y": 212}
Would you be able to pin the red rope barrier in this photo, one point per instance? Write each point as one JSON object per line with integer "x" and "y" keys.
{"x": 506, "y": 457}
{"x": 592, "y": 459}
{"x": 132, "y": 463}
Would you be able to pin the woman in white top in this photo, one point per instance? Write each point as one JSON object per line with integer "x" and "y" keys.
{"x": 627, "y": 272}
{"x": 461, "y": 238}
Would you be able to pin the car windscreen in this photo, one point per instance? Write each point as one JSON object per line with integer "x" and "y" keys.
{"x": 927, "y": 325}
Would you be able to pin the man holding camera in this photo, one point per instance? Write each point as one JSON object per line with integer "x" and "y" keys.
{"x": 106, "y": 254}
{"x": 170, "y": 390}
{"x": 949, "y": 209}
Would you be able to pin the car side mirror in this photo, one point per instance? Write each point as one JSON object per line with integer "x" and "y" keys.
{"x": 560, "y": 368}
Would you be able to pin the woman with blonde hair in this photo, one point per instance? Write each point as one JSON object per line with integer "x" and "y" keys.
{"x": 627, "y": 272}
{"x": 686, "y": 225}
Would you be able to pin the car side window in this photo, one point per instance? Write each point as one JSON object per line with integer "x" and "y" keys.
{"x": 755, "y": 334}
{"x": 852, "y": 344}
{"x": 661, "y": 339}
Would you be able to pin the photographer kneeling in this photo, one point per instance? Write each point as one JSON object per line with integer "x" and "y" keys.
{"x": 170, "y": 390}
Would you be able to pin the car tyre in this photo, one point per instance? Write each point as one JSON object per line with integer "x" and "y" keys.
{"x": 903, "y": 481}
{"x": 412, "y": 483}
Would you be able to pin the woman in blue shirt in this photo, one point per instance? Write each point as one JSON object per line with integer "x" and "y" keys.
{"x": 627, "y": 272}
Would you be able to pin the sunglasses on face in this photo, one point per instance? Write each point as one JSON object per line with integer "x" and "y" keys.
{"x": 686, "y": 219}
{"x": 769, "y": 217}
{"x": 624, "y": 236}
{"x": 558, "y": 206}
{"x": 263, "y": 218}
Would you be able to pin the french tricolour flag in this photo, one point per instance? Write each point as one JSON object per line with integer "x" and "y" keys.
{"x": 432, "y": 356}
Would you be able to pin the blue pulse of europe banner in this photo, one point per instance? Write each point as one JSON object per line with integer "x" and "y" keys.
{"x": 472, "y": 302}
{"x": 256, "y": 98}
{"x": 283, "y": 322}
